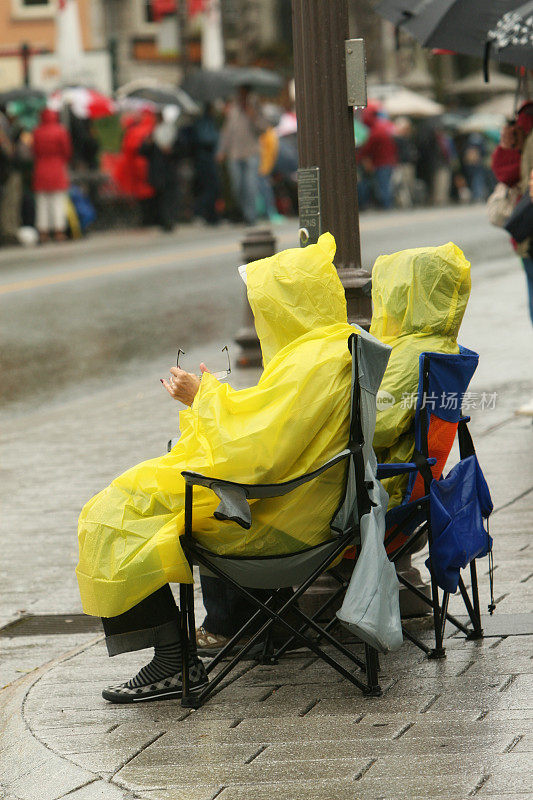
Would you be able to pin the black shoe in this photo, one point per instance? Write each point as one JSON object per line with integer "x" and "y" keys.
{"x": 166, "y": 689}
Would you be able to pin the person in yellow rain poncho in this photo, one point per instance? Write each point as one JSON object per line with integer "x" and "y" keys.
{"x": 291, "y": 422}
{"x": 419, "y": 298}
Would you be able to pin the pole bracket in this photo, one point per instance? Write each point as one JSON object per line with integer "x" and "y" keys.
{"x": 355, "y": 72}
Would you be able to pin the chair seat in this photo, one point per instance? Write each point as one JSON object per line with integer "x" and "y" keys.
{"x": 269, "y": 572}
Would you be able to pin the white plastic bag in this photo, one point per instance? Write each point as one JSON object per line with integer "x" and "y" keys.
{"x": 371, "y": 607}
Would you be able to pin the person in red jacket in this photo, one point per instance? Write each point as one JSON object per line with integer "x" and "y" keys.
{"x": 52, "y": 150}
{"x": 512, "y": 164}
{"x": 379, "y": 154}
{"x": 131, "y": 171}
{"x": 507, "y": 156}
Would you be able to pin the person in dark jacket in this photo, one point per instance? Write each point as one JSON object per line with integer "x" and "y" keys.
{"x": 161, "y": 149}
{"x": 204, "y": 136}
{"x": 52, "y": 150}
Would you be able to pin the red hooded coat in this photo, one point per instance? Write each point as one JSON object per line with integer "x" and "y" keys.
{"x": 131, "y": 171}
{"x": 380, "y": 147}
{"x": 52, "y": 150}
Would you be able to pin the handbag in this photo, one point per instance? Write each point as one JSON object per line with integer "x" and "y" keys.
{"x": 459, "y": 504}
{"x": 500, "y": 204}
{"x": 520, "y": 223}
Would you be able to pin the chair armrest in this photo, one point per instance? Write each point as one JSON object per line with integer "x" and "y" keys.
{"x": 392, "y": 470}
{"x": 234, "y": 496}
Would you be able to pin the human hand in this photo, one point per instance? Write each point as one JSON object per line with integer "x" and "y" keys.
{"x": 220, "y": 157}
{"x": 531, "y": 184}
{"x": 183, "y": 385}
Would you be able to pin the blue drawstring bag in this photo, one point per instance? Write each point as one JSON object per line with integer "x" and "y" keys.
{"x": 459, "y": 504}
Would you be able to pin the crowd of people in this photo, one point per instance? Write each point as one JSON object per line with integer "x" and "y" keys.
{"x": 242, "y": 168}
{"x": 37, "y": 199}
{"x": 408, "y": 162}
{"x": 236, "y": 161}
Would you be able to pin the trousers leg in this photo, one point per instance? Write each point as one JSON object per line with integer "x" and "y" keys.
{"x": 227, "y": 610}
{"x": 235, "y": 171}
{"x": 528, "y": 268}
{"x": 250, "y": 188}
{"x": 153, "y": 621}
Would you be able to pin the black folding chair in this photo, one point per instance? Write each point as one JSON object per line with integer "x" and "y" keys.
{"x": 277, "y": 573}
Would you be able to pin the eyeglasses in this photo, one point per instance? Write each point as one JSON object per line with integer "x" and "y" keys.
{"x": 218, "y": 375}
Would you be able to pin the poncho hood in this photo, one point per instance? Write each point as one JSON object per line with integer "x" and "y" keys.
{"x": 418, "y": 291}
{"x": 293, "y": 293}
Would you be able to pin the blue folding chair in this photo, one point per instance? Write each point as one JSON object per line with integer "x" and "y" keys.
{"x": 443, "y": 381}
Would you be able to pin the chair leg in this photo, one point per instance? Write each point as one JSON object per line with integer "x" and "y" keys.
{"x": 372, "y": 670}
{"x": 188, "y": 645}
{"x": 477, "y": 632}
{"x": 191, "y": 621}
{"x": 438, "y": 651}
{"x": 184, "y": 631}
{"x": 444, "y": 613}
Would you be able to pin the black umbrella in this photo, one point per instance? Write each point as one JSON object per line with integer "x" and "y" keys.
{"x": 512, "y": 37}
{"x": 459, "y": 25}
{"x": 159, "y": 95}
{"x": 209, "y": 85}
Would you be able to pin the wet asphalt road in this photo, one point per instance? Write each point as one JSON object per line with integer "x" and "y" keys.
{"x": 83, "y": 314}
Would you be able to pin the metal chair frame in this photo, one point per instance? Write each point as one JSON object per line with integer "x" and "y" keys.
{"x": 421, "y": 508}
{"x": 267, "y": 610}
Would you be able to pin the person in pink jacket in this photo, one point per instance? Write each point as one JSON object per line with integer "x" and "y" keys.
{"x": 52, "y": 150}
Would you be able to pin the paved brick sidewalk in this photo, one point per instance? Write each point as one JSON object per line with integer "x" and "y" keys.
{"x": 452, "y": 729}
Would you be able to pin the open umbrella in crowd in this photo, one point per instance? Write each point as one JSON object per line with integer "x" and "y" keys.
{"x": 154, "y": 95}
{"x": 85, "y": 103}
{"x": 206, "y": 86}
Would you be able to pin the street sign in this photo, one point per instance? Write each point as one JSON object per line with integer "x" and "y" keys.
{"x": 309, "y": 205}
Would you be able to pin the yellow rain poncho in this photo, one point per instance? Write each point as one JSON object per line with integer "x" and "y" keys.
{"x": 419, "y": 298}
{"x": 294, "y": 420}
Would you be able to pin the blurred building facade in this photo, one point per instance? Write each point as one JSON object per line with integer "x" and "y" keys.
{"x": 31, "y": 23}
{"x": 142, "y": 38}
{"x": 138, "y": 32}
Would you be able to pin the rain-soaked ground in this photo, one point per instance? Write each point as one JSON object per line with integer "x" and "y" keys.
{"x": 80, "y": 315}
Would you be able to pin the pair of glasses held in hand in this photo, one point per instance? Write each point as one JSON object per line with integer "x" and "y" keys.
{"x": 221, "y": 374}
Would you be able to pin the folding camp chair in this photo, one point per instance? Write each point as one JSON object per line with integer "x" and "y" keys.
{"x": 298, "y": 570}
{"x": 443, "y": 380}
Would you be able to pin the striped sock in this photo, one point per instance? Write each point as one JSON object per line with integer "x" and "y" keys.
{"x": 166, "y": 662}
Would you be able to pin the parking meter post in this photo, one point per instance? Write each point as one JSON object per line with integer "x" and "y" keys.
{"x": 326, "y": 145}
{"x": 257, "y": 243}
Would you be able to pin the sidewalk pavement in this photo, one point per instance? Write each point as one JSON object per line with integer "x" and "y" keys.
{"x": 450, "y": 729}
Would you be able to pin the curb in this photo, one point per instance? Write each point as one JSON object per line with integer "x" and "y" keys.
{"x": 29, "y": 769}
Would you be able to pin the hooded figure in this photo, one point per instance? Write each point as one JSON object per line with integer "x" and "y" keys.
{"x": 419, "y": 298}
{"x": 294, "y": 420}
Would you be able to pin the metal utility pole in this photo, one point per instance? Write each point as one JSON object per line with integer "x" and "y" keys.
{"x": 182, "y": 20}
{"x": 25, "y": 53}
{"x": 326, "y": 148}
